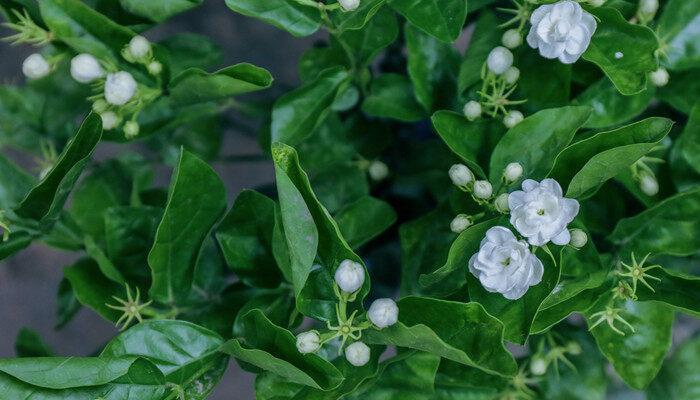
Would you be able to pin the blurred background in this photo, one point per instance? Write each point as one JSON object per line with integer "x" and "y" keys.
{"x": 29, "y": 280}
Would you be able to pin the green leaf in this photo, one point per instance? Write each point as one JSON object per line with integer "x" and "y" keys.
{"x": 637, "y": 357}
{"x": 273, "y": 349}
{"x": 297, "y": 19}
{"x": 379, "y": 32}
{"x": 635, "y": 43}
{"x": 684, "y": 158}
{"x": 364, "y": 219}
{"x": 441, "y": 19}
{"x": 432, "y": 67}
{"x": 610, "y": 108}
{"x": 674, "y": 288}
{"x": 483, "y": 40}
{"x": 409, "y": 378}
{"x": 245, "y": 237}
{"x": 358, "y": 18}
{"x": 548, "y": 131}
{"x": 196, "y": 200}
{"x": 158, "y": 10}
{"x": 587, "y": 164}
{"x": 190, "y": 50}
{"x": 30, "y": 344}
{"x": 669, "y": 227}
{"x": 544, "y": 83}
{"x": 15, "y": 183}
{"x": 196, "y": 86}
{"x": 391, "y": 96}
{"x": 46, "y": 199}
{"x": 67, "y": 304}
{"x": 677, "y": 28}
{"x": 682, "y": 90}
{"x": 92, "y": 288}
{"x": 469, "y": 336}
{"x": 679, "y": 378}
{"x": 297, "y": 113}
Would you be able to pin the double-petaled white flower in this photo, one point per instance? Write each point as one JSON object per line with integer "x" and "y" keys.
{"x": 85, "y": 68}
{"x": 120, "y": 87}
{"x": 383, "y": 313}
{"x": 349, "y": 276}
{"x": 357, "y": 354}
{"x": 35, "y": 66}
{"x": 308, "y": 342}
{"x": 540, "y": 212}
{"x": 562, "y": 30}
{"x": 505, "y": 264}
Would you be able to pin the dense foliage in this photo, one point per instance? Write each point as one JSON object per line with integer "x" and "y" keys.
{"x": 533, "y": 202}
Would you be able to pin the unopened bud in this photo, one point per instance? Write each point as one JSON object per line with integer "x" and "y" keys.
{"x": 461, "y": 175}
{"x": 483, "y": 189}
{"x": 460, "y": 223}
{"x": 579, "y": 238}
{"x": 513, "y": 118}
{"x": 501, "y": 203}
{"x": 512, "y": 38}
{"x": 472, "y": 110}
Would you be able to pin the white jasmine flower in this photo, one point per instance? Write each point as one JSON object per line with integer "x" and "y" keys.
{"x": 35, "y": 66}
{"x": 579, "y": 238}
{"x": 155, "y": 68}
{"x": 513, "y": 172}
{"x": 461, "y": 175}
{"x": 562, "y": 30}
{"x": 659, "y": 77}
{"x": 85, "y": 68}
{"x": 383, "y": 313}
{"x": 308, "y": 342}
{"x": 139, "y": 47}
{"x": 540, "y": 212}
{"x": 120, "y": 87}
{"x": 513, "y": 118}
{"x": 460, "y": 223}
{"x": 483, "y": 189}
{"x": 110, "y": 120}
{"x": 349, "y": 5}
{"x": 378, "y": 170}
{"x": 648, "y": 7}
{"x": 357, "y": 354}
{"x": 349, "y": 276}
{"x": 131, "y": 129}
{"x": 511, "y": 38}
{"x": 648, "y": 184}
{"x": 538, "y": 366}
{"x": 505, "y": 264}
{"x": 472, "y": 110}
{"x": 511, "y": 75}
{"x": 501, "y": 203}
{"x": 499, "y": 60}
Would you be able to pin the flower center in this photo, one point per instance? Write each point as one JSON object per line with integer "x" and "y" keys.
{"x": 561, "y": 29}
{"x": 345, "y": 329}
{"x": 540, "y": 211}
{"x": 505, "y": 262}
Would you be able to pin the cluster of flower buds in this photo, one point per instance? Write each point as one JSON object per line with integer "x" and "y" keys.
{"x": 140, "y": 51}
{"x": 349, "y": 278}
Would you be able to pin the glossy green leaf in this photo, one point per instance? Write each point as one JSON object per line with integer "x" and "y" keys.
{"x": 669, "y": 227}
{"x": 587, "y": 164}
{"x": 544, "y": 83}
{"x": 358, "y": 18}
{"x": 158, "y": 10}
{"x": 624, "y": 51}
{"x": 273, "y": 349}
{"x": 678, "y": 31}
{"x": 546, "y": 133}
{"x": 684, "y": 158}
{"x": 190, "y": 50}
{"x": 391, "y": 96}
{"x": 297, "y": 19}
{"x": 93, "y": 289}
{"x": 409, "y": 378}
{"x": 483, "y": 40}
{"x": 379, "y": 32}
{"x": 297, "y": 113}
{"x": 460, "y": 382}
{"x": 682, "y": 90}
{"x": 364, "y": 219}
{"x": 610, "y": 108}
{"x": 46, "y": 199}
{"x": 679, "y": 378}
{"x": 674, "y": 288}
{"x": 67, "y": 305}
{"x": 637, "y": 357}
{"x": 441, "y": 19}
{"x": 196, "y": 86}
{"x": 15, "y": 183}
{"x": 196, "y": 200}
{"x": 30, "y": 344}
{"x": 470, "y": 336}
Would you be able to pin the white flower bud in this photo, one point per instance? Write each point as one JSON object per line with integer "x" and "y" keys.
{"x": 35, "y": 66}
{"x": 596, "y": 3}
{"x": 85, "y": 68}
{"x": 579, "y": 238}
{"x": 100, "y": 106}
{"x": 308, "y": 342}
{"x": 501, "y": 203}
{"x": 538, "y": 366}
{"x": 659, "y": 77}
{"x": 511, "y": 38}
{"x": 131, "y": 129}
{"x": 562, "y": 30}
{"x": 511, "y": 75}
{"x": 139, "y": 47}
{"x": 513, "y": 118}
{"x": 349, "y": 5}
{"x": 378, "y": 170}
{"x": 461, "y": 175}
{"x": 155, "y": 68}
{"x": 120, "y": 87}
{"x": 573, "y": 348}
{"x": 648, "y": 184}
{"x": 499, "y": 60}
{"x": 110, "y": 120}
{"x": 383, "y": 313}
{"x": 648, "y": 7}
{"x": 357, "y": 354}
{"x": 483, "y": 189}
{"x": 349, "y": 276}
{"x": 513, "y": 172}
{"x": 472, "y": 110}
{"x": 460, "y": 223}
